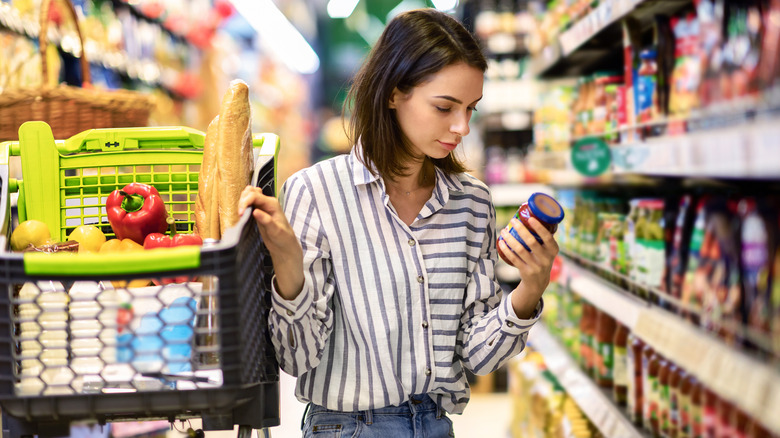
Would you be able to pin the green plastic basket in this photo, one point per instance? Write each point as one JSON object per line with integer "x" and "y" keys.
{"x": 66, "y": 183}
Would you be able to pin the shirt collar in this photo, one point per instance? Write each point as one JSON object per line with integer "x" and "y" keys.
{"x": 361, "y": 175}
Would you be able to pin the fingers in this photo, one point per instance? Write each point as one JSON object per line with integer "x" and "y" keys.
{"x": 547, "y": 245}
{"x": 253, "y": 196}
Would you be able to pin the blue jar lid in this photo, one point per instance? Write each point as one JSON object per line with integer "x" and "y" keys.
{"x": 648, "y": 54}
{"x": 545, "y": 208}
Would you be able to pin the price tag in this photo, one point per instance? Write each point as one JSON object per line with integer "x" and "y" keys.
{"x": 764, "y": 150}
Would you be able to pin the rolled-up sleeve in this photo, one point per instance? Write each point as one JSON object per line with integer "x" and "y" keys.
{"x": 300, "y": 327}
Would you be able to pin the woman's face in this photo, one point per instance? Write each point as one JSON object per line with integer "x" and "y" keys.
{"x": 435, "y": 115}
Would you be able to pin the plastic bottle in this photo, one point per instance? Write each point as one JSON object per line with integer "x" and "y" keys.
{"x": 620, "y": 370}
{"x": 647, "y": 87}
{"x": 540, "y": 206}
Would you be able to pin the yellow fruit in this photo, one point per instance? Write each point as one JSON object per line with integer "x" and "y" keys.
{"x": 30, "y": 232}
{"x": 89, "y": 237}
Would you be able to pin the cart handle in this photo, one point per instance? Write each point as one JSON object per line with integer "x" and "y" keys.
{"x": 143, "y": 262}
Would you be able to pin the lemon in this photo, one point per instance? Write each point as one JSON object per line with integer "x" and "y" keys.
{"x": 89, "y": 237}
{"x": 30, "y": 232}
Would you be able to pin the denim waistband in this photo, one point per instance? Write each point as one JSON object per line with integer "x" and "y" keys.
{"x": 415, "y": 404}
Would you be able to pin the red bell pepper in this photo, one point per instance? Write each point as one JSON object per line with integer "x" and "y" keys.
{"x": 136, "y": 211}
{"x": 160, "y": 240}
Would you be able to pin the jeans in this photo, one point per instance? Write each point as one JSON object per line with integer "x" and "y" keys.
{"x": 420, "y": 417}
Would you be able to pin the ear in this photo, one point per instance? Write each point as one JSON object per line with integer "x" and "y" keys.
{"x": 395, "y": 98}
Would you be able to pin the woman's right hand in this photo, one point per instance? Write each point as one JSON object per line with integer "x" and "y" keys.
{"x": 279, "y": 237}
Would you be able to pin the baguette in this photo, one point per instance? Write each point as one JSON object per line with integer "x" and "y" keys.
{"x": 234, "y": 151}
{"x": 207, "y": 204}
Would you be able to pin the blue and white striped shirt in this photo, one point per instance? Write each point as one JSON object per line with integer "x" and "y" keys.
{"x": 389, "y": 310}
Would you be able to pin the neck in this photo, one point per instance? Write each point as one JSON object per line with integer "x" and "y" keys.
{"x": 419, "y": 175}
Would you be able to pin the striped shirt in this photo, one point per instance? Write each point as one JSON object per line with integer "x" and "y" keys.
{"x": 389, "y": 310}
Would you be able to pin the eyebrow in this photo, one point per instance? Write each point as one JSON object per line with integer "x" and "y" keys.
{"x": 452, "y": 99}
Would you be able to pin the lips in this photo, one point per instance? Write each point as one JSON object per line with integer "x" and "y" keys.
{"x": 448, "y": 146}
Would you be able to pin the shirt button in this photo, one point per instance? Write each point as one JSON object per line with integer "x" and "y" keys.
{"x": 420, "y": 279}
{"x": 290, "y": 312}
{"x": 425, "y": 324}
{"x": 412, "y": 242}
{"x": 510, "y": 324}
{"x": 427, "y": 371}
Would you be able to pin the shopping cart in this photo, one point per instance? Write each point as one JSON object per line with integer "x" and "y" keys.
{"x": 174, "y": 334}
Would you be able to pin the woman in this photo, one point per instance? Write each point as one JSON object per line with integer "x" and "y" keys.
{"x": 384, "y": 258}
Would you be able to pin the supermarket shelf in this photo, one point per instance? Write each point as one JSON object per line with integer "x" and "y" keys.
{"x": 590, "y": 43}
{"x": 749, "y": 383}
{"x": 595, "y": 404}
{"x": 749, "y": 152}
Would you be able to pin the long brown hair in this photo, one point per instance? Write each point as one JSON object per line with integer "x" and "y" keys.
{"x": 414, "y": 45}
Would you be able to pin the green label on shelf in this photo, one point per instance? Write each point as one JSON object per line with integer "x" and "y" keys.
{"x": 591, "y": 156}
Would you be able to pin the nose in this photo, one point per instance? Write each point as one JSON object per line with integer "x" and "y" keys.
{"x": 460, "y": 124}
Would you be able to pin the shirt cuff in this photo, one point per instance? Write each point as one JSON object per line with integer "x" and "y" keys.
{"x": 511, "y": 324}
{"x": 289, "y": 310}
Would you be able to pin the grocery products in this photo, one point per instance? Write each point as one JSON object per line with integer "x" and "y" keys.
{"x": 207, "y": 204}
{"x": 30, "y": 232}
{"x": 89, "y": 237}
{"x": 543, "y": 208}
{"x": 136, "y": 211}
{"x": 234, "y": 151}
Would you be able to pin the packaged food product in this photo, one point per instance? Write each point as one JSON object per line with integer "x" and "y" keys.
{"x": 540, "y": 206}
{"x": 634, "y": 386}
{"x": 690, "y": 298}
{"x": 686, "y": 75}
{"x": 719, "y": 267}
{"x": 653, "y": 392}
{"x": 664, "y": 396}
{"x": 620, "y": 370}
{"x": 646, "y": 87}
{"x": 650, "y": 244}
{"x": 757, "y": 240}
{"x": 769, "y": 67}
{"x": 679, "y": 248}
{"x": 605, "y": 333}
{"x": 587, "y": 332}
{"x": 710, "y": 15}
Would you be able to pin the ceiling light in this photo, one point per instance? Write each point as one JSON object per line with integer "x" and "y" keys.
{"x": 341, "y": 8}
{"x": 279, "y": 35}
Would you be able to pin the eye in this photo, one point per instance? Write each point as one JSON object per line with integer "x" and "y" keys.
{"x": 472, "y": 108}
{"x": 443, "y": 110}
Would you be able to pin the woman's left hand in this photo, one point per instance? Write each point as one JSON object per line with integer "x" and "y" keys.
{"x": 534, "y": 265}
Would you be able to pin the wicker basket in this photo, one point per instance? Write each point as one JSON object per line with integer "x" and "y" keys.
{"x": 67, "y": 109}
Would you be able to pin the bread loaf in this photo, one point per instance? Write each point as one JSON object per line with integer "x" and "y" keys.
{"x": 207, "y": 203}
{"x": 234, "y": 151}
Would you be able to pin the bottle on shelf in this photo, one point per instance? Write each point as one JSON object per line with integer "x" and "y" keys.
{"x": 605, "y": 333}
{"x": 635, "y": 387}
{"x": 620, "y": 370}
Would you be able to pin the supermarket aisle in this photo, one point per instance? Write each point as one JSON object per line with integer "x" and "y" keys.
{"x": 487, "y": 415}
